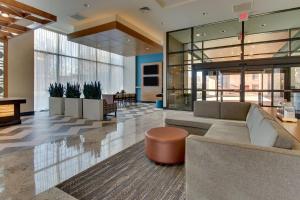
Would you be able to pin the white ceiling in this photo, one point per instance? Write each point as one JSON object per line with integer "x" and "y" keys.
{"x": 159, "y": 20}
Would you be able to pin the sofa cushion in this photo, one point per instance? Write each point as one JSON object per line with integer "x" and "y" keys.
{"x": 195, "y": 124}
{"x": 231, "y": 123}
{"x": 234, "y": 110}
{"x": 263, "y": 134}
{"x": 284, "y": 139}
{"x": 254, "y": 118}
{"x": 250, "y": 112}
{"x": 210, "y": 109}
{"x": 237, "y": 134}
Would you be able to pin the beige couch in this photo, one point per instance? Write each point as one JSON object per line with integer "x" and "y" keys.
{"x": 236, "y": 151}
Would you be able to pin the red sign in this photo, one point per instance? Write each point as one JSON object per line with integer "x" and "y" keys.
{"x": 243, "y": 16}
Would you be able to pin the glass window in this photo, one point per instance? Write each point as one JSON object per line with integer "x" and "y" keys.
{"x": 269, "y": 36}
{"x": 175, "y": 80}
{"x": 87, "y": 53}
{"x": 222, "y": 42}
{"x": 273, "y": 22}
{"x": 45, "y": 40}
{"x": 230, "y": 29}
{"x": 116, "y": 59}
{"x": 179, "y": 58}
{"x": 59, "y": 60}
{"x": 180, "y": 40}
{"x": 295, "y": 77}
{"x": 66, "y": 47}
{"x": 222, "y": 54}
{"x": 265, "y": 50}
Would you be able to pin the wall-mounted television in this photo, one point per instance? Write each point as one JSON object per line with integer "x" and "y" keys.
{"x": 150, "y": 69}
{"x": 151, "y": 81}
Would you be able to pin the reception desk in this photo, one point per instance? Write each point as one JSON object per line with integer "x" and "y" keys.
{"x": 10, "y": 111}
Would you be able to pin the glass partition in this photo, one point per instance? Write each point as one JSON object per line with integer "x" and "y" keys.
{"x": 271, "y": 35}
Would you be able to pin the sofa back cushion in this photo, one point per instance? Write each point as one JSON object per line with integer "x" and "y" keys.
{"x": 263, "y": 133}
{"x": 209, "y": 109}
{"x": 254, "y": 117}
{"x": 284, "y": 139}
{"x": 234, "y": 110}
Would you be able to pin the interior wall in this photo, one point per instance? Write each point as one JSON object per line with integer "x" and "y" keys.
{"x": 140, "y": 60}
{"x": 21, "y": 69}
{"x": 129, "y": 74}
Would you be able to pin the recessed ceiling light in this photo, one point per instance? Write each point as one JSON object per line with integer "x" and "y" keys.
{"x": 86, "y": 5}
{"x": 4, "y": 15}
{"x": 147, "y": 48}
{"x": 223, "y": 31}
{"x": 201, "y": 34}
{"x": 263, "y": 25}
{"x": 204, "y": 13}
{"x": 145, "y": 9}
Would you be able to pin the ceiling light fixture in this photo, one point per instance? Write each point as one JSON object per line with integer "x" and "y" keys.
{"x": 86, "y": 5}
{"x": 147, "y": 48}
{"x": 263, "y": 25}
{"x": 204, "y": 13}
{"x": 201, "y": 34}
{"x": 145, "y": 9}
{"x": 4, "y": 15}
{"x": 223, "y": 31}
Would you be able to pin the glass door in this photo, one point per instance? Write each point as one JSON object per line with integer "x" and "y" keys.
{"x": 218, "y": 85}
{"x": 258, "y": 86}
{"x": 229, "y": 87}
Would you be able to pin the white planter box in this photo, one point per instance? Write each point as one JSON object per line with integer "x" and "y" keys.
{"x": 73, "y": 107}
{"x": 56, "y": 106}
{"x": 93, "y": 109}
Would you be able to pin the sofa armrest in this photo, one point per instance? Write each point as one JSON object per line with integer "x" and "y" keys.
{"x": 226, "y": 171}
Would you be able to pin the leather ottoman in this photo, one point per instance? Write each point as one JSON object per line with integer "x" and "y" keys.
{"x": 165, "y": 145}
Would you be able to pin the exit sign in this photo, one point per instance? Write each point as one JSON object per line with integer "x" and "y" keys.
{"x": 244, "y": 16}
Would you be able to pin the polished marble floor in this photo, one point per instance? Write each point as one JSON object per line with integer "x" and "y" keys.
{"x": 42, "y": 128}
{"x": 29, "y": 171}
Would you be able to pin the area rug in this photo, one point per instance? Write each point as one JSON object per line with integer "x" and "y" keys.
{"x": 128, "y": 175}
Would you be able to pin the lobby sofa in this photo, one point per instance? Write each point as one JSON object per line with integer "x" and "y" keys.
{"x": 237, "y": 151}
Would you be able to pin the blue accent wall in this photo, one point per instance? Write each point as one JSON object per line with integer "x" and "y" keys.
{"x": 140, "y": 60}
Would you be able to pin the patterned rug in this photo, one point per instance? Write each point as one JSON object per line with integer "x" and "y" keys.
{"x": 128, "y": 175}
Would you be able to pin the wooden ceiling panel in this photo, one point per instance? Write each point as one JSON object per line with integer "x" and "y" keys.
{"x": 116, "y": 38}
{"x": 17, "y": 18}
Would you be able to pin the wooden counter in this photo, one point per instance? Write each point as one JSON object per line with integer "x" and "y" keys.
{"x": 293, "y": 128}
{"x": 10, "y": 111}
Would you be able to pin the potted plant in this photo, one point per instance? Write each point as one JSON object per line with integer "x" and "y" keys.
{"x": 187, "y": 98}
{"x": 56, "y": 100}
{"x": 73, "y": 102}
{"x": 92, "y": 102}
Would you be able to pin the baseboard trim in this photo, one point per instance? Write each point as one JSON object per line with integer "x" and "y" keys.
{"x": 27, "y": 113}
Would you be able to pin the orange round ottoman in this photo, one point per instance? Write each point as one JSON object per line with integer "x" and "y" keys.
{"x": 165, "y": 145}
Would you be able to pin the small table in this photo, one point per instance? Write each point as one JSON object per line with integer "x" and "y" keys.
{"x": 292, "y": 128}
{"x": 10, "y": 111}
{"x": 166, "y": 145}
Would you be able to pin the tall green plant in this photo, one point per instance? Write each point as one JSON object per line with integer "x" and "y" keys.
{"x": 92, "y": 90}
{"x": 56, "y": 90}
{"x": 73, "y": 90}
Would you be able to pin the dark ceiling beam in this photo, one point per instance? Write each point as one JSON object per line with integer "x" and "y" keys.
{"x": 29, "y": 9}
